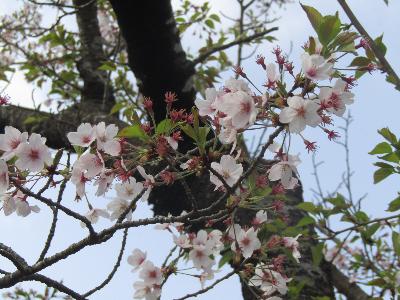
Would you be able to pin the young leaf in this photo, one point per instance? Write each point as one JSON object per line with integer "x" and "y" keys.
{"x": 381, "y": 174}
{"x": 314, "y": 16}
{"x": 381, "y": 148}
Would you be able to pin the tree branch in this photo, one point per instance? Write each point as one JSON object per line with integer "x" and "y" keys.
{"x": 378, "y": 53}
{"x": 202, "y": 57}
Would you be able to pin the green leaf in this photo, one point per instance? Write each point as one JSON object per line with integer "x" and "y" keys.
{"x": 307, "y": 220}
{"x": 225, "y": 259}
{"x": 381, "y": 148}
{"x": 391, "y": 157}
{"x": 134, "y": 131}
{"x": 379, "y": 43}
{"x": 396, "y": 242}
{"x": 314, "y": 16}
{"x": 117, "y": 107}
{"x": 328, "y": 29}
{"x": 108, "y": 66}
{"x": 360, "y": 61}
{"x": 317, "y": 254}
{"x": 165, "y": 126}
{"x": 210, "y": 23}
{"x": 394, "y": 205}
{"x": 215, "y": 18}
{"x": 307, "y": 206}
{"x": 388, "y": 135}
{"x": 188, "y": 130}
{"x": 361, "y": 217}
{"x": 381, "y": 174}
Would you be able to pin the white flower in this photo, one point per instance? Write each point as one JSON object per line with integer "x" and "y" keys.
{"x": 129, "y": 189}
{"x": 240, "y": 107}
{"x": 200, "y": 256}
{"x": 136, "y": 259}
{"x": 228, "y": 169}
{"x": 272, "y": 75}
{"x": 207, "y": 107}
{"x": 8, "y": 204}
{"x": 92, "y": 164}
{"x": 78, "y": 178}
{"x": 10, "y": 140}
{"x": 19, "y": 204}
{"x": 247, "y": 241}
{"x": 84, "y": 136}
{"x": 33, "y": 155}
{"x": 104, "y": 182}
{"x": 148, "y": 183}
{"x": 261, "y": 217}
{"x": 293, "y": 244}
{"x": 182, "y": 241}
{"x": 300, "y": 113}
{"x": 105, "y": 137}
{"x": 228, "y": 133}
{"x": 150, "y": 274}
{"x": 172, "y": 142}
{"x": 234, "y": 85}
{"x": 334, "y": 99}
{"x": 144, "y": 290}
{"x": 94, "y": 214}
{"x": 4, "y": 179}
{"x": 269, "y": 280}
{"x": 316, "y": 67}
{"x": 117, "y": 207}
{"x": 284, "y": 170}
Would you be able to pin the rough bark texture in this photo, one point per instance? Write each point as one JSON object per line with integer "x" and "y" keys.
{"x": 96, "y": 88}
{"x": 155, "y": 52}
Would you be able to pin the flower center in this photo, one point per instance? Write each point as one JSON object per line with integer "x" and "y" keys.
{"x": 245, "y": 107}
{"x": 34, "y": 154}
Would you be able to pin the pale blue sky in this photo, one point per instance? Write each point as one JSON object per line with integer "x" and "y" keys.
{"x": 376, "y": 106}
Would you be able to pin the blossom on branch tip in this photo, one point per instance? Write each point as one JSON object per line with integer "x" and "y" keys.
{"x": 228, "y": 169}
{"x": 33, "y": 155}
{"x": 83, "y": 137}
{"x": 105, "y": 138}
{"x": 315, "y": 67}
{"x": 300, "y": 113}
{"x": 10, "y": 140}
{"x": 136, "y": 259}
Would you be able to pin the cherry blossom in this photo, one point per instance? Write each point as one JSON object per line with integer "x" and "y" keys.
{"x": 10, "y": 140}
{"x": 240, "y": 107}
{"x": 315, "y": 67}
{"x": 235, "y": 85}
{"x": 300, "y": 113}
{"x": 129, "y": 189}
{"x": 269, "y": 280}
{"x": 228, "y": 133}
{"x": 136, "y": 259}
{"x": 272, "y": 75}
{"x": 182, "y": 241}
{"x": 79, "y": 179}
{"x": 83, "y": 137}
{"x": 284, "y": 170}
{"x": 34, "y": 154}
{"x": 206, "y": 107}
{"x": 146, "y": 290}
{"x": 18, "y": 204}
{"x": 104, "y": 182}
{"x": 94, "y": 214}
{"x": 335, "y": 99}
{"x": 260, "y": 218}
{"x": 200, "y": 256}
{"x": 247, "y": 241}
{"x": 150, "y": 273}
{"x": 228, "y": 169}
{"x": 105, "y": 138}
{"x": 92, "y": 164}
{"x": 117, "y": 207}
{"x": 149, "y": 182}
{"x": 293, "y": 244}
{"x": 4, "y": 179}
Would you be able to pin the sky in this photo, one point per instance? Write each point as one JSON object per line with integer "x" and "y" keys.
{"x": 376, "y": 106}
